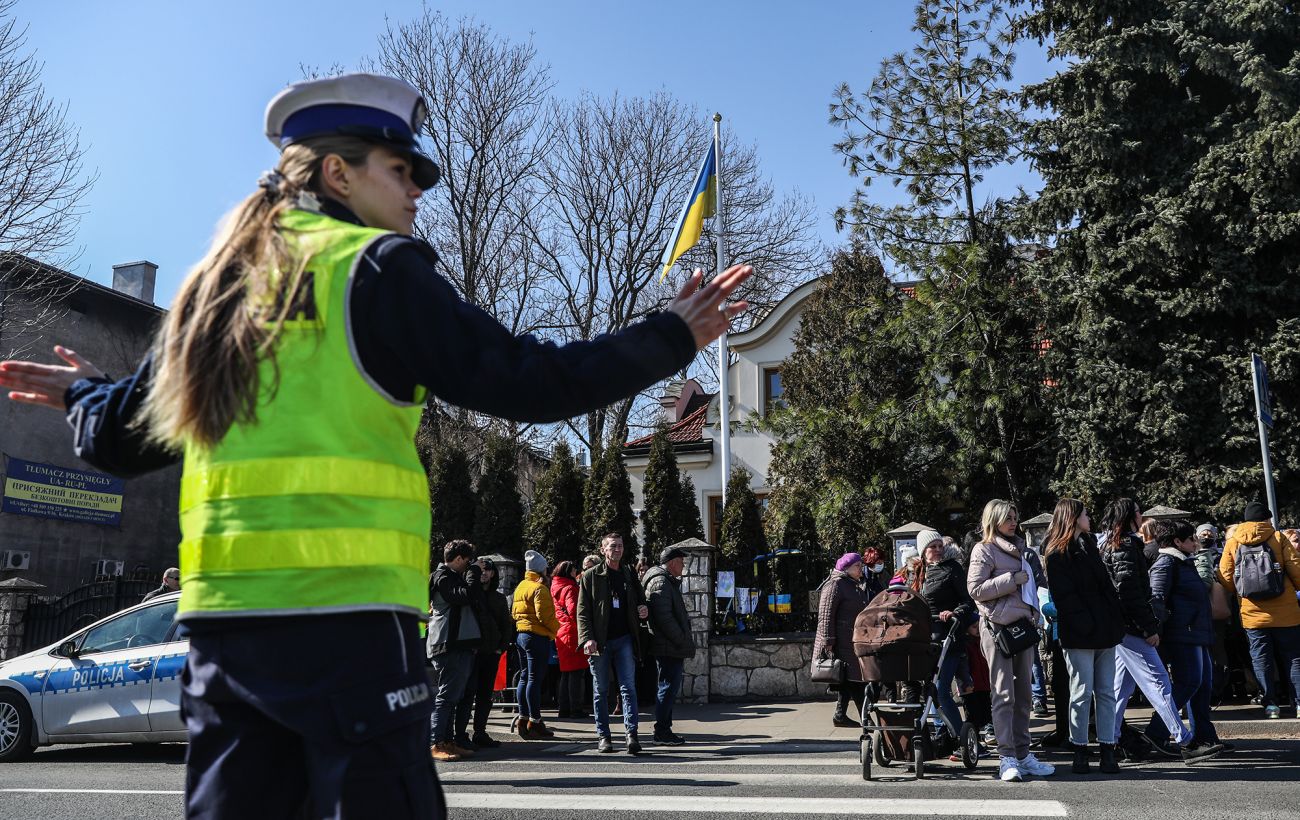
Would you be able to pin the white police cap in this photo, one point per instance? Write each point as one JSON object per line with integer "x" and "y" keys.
{"x": 381, "y": 109}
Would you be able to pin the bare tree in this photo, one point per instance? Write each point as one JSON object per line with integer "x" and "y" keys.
{"x": 488, "y": 100}
{"x": 41, "y": 187}
{"x": 615, "y": 181}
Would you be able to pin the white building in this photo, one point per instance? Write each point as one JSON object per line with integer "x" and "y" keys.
{"x": 754, "y": 380}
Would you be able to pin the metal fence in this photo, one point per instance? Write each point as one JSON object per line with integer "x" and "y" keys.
{"x": 47, "y": 621}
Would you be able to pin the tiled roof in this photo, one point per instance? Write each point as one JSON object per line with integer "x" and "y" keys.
{"x": 688, "y": 429}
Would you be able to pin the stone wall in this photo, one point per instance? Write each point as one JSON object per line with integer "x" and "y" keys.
{"x": 762, "y": 669}
{"x": 16, "y": 594}
{"x": 697, "y": 589}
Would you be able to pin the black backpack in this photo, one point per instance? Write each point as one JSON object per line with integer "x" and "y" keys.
{"x": 1256, "y": 573}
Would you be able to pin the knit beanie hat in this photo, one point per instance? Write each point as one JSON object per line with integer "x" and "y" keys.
{"x": 925, "y": 538}
{"x": 535, "y": 562}
{"x": 847, "y": 560}
{"x": 1256, "y": 511}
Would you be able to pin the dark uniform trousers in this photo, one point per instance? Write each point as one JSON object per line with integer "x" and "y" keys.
{"x": 320, "y": 716}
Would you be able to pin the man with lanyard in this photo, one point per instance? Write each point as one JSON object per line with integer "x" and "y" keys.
{"x": 304, "y": 557}
{"x": 611, "y": 607}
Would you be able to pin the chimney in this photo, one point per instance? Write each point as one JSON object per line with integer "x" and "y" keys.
{"x": 135, "y": 279}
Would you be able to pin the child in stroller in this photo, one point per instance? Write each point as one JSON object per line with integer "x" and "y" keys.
{"x": 901, "y": 720}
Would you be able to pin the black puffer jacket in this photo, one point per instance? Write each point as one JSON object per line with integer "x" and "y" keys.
{"x": 945, "y": 591}
{"x": 1128, "y": 570}
{"x": 1088, "y": 613}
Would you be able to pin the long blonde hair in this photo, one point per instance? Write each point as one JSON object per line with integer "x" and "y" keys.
{"x": 232, "y": 306}
{"x": 995, "y": 512}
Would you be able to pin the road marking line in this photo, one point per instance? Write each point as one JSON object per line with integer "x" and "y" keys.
{"x": 662, "y": 759}
{"x": 686, "y": 778}
{"x": 762, "y": 805}
{"x": 90, "y": 791}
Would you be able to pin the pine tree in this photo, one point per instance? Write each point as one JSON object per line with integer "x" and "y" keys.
{"x": 852, "y": 440}
{"x": 555, "y": 526}
{"x": 607, "y": 506}
{"x": 934, "y": 120}
{"x": 662, "y": 515}
{"x": 499, "y": 518}
{"x": 689, "y": 512}
{"x": 1170, "y": 155}
{"x": 742, "y": 538}
{"x": 451, "y": 497}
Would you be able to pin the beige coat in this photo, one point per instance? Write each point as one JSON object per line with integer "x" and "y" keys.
{"x": 991, "y": 583}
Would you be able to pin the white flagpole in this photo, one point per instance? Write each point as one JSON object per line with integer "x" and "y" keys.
{"x": 724, "y": 401}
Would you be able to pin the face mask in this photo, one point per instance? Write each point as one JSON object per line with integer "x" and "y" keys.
{"x": 878, "y": 568}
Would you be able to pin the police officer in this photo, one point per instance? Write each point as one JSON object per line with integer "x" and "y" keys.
{"x": 290, "y": 377}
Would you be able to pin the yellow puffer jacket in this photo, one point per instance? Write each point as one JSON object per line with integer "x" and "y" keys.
{"x": 534, "y": 608}
{"x": 1282, "y": 610}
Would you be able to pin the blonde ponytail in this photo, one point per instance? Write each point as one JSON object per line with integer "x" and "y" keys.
{"x": 232, "y": 306}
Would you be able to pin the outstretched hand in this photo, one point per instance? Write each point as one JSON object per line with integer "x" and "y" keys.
{"x": 703, "y": 309}
{"x": 45, "y": 384}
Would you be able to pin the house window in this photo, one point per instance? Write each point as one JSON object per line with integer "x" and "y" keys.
{"x": 773, "y": 392}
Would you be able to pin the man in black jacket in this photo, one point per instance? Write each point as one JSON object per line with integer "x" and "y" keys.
{"x": 611, "y": 606}
{"x": 670, "y": 642}
{"x": 455, "y": 593}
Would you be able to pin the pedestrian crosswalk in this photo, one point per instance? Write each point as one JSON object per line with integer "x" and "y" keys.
{"x": 572, "y": 780}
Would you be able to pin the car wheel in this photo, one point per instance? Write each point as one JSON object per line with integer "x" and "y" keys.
{"x": 15, "y": 727}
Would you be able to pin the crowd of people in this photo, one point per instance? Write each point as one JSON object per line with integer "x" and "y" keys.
{"x": 1127, "y": 605}
{"x": 587, "y": 621}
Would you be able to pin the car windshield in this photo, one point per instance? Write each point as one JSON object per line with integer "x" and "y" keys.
{"x": 142, "y": 627}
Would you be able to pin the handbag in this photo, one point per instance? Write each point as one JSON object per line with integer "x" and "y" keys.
{"x": 1220, "y": 610}
{"x": 1013, "y": 638}
{"x": 828, "y": 670}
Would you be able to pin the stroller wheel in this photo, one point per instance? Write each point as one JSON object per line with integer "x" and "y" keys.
{"x": 970, "y": 746}
{"x": 878, "y": 744}
{"x": 918, "y": 758}
{"x": 864, "y": 754}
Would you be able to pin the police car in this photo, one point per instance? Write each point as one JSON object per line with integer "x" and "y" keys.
{"x": 115, "y": 681}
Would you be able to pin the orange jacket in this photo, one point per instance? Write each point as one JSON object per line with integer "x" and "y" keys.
{"x": 1282, "y": 610}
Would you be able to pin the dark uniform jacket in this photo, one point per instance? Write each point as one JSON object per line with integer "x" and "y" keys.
{"x": 595, "y": 609}
{"x": 411, "y": 328}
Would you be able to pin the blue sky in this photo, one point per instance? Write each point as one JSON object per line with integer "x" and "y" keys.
{"x": 169, "y": 96}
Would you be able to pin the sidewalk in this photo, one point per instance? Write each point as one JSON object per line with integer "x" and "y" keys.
{"x": 810, "y": 722}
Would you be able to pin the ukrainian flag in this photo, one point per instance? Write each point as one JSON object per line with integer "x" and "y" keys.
{"x": 700, "y": 205}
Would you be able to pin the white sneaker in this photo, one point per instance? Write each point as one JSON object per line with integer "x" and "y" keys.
{"x": 1009, "y": 770}
{"x": 1033, "y": 766}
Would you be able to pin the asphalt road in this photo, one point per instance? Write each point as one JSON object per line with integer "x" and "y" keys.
{"x": 569, "y": 781}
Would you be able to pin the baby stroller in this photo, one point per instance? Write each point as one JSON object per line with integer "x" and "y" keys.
{"x": 891, "y": 639}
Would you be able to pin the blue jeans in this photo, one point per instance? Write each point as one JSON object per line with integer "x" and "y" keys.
{"x": 534, "y": 657}
{"x": 670, "y": 686}
{"x": 1262, "y": 643}
{"x": 619, "y": 652}
{"x": 1039, "y": 680}
{"x": 947, "y": 705}
{"x": 1092, "y": 677}
{"x": 1137, "y": 664}
{"x": 1192, "y": 672}
{"x": 453, "y": 673}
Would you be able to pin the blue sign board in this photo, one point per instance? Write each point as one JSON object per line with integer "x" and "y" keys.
{"x": 47, "y": 491}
